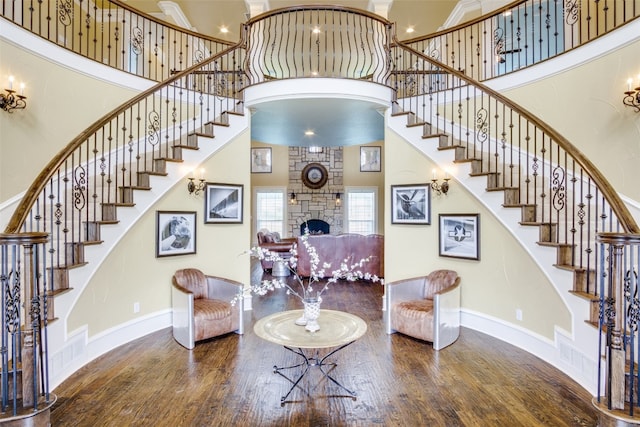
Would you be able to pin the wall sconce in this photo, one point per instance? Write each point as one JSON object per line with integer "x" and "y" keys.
{"x": 195, "y": 188}
{"x": 10, "y": 100}
{"x": 292, "y": 198}
{"x": 338, "y": 199}
{"x": 442, "y": 188}
{"x": 632, "y": 96}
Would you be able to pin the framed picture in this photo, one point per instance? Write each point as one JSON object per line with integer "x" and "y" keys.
{"x": 460, "y": 236}
{"x": 370, "y": 160}
{"x": 261, "y": 160}
{"x": 411, "y": 204}
{"x": 223, "y": 203}
{"x": 175, "y": 233}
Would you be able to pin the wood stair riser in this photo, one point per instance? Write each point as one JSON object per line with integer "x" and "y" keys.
{"x": 584, "y": 280}
{"x": 92, "y": 231}
{"x": 529, "y": 213}
{"x": 548, "y": 232}
{"x": 511, "y": 196}
{"x": 60, "y": 278}
{"x": 565, "y": 254}
{"x": 74, "y": 253}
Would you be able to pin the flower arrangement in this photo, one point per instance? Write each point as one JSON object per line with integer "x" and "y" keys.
{"x": 303, "y": 288}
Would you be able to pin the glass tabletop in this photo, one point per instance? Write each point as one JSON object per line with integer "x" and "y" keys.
{"x": 336, "y": 328}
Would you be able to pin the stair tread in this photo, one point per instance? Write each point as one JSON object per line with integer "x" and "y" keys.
{"x": 188, "y": 147}
{"x": 204, "y": 134}
{"x": 585, "y": 295}
{"x": 68, "y": 266}
{"x": 483, "y": 173}
{"x": 501, "y": 188}
{"x": 93, "y": 242}
{"x": 416, "y": 124}
{"x": 154, "y": 173}
{"x": 217, "y": 124}
{"x": 536, "y": 223}
{"x": 129, "y": 205}
{"x": 170, "y": 159}
{"x": 135, "y": 187}
{"x": 555, "y": 244}
{"x": 108, "y": 222}
{"x": 518, "y": 205}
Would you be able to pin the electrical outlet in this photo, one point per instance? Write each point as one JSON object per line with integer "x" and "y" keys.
{"x": 518, "y": 314}
{"x": 136, "y": 307}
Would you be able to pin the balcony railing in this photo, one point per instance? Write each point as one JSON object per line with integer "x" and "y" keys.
{"x": 114, "y": 34}
{"x": 523, "y": 33}
{"x": 317, "y": 41}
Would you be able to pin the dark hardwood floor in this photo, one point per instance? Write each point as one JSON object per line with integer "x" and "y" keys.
{"x": 399, "y": 381}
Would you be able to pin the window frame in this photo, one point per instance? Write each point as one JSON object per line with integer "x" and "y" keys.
{"x": 285, "y": 213}
{"x": 359, "y": 189}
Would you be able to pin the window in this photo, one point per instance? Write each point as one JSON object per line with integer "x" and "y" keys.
{"x": 361, "y": 210}
{"x": 270, "y": 209}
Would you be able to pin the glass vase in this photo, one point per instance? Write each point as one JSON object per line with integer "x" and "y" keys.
{"x": 311, "y": 313}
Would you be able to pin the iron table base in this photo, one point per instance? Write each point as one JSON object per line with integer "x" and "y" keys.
{"x": 306, "y": 363}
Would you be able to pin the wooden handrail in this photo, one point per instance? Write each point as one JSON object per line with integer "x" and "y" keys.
{"x": 619, "y": 208}
{"x": 22, "y": 211}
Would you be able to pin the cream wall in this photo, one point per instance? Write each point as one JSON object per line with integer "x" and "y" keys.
{"x": 61, "y": 103}
{"x": 503, "y": 280}
{"x": 584, "y": 103}
{"x": 354, "y": 178}
{"x": 131, "y": 273}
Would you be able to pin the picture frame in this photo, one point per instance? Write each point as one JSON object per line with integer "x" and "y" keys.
{"x": 370, "y": 159}
{"x": 261, "y": 160}
{"x": 223, "y": 203}
{"x": 459, "y": 236}
{"x": 175, "y": 233}
{"x": 411, "y": 204}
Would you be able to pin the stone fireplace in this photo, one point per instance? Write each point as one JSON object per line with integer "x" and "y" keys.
{"x": 315, "y": 203}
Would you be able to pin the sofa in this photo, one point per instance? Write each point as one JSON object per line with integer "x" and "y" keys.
{"x": 274, "y": 243}
{"x": 426, "y": 307}
{"x": 335, "y": 248}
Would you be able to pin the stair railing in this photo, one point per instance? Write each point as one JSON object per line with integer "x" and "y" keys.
{"x": 557, "y": 189}
{"x": 522, "y": 34}
{"x": 114, "y": 34}
{"x": 84, "y": 184}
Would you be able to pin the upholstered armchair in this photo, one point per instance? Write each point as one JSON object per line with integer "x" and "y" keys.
{"x": 427, "y": 308}
{"x": 274, "y": 243}
{"x": 202, "y": 307}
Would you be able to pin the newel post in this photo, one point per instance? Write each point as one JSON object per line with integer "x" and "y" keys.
{"x": 619, "y": 306}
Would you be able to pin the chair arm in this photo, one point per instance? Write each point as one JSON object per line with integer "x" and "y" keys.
{"x": 446, "y": 316}
{"x": 226, "y": 290}
{"x": 277, "y": 247}
{"x": 399, "y": 291}
{"x": 182, "y": 312}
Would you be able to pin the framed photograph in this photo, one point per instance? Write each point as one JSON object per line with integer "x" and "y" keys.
{"x": 370, "y": 159}
{"x": 175, "y": 233}
{"x": 261, "y": 160}
{"x": 411, "y": 204}
{"x": 460, "y": 236}
{"x": 223, "y": 203}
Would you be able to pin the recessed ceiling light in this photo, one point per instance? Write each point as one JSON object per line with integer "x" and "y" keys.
{"x": 316, "y": 30}
{"x": 309, "y": 133}
{"x": 410, "y": 30}
{"x": 224, "y": 29}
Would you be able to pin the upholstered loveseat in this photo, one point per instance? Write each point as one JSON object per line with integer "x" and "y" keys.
{"x": 274, "y": 243}
{"x": 334, "y": 249}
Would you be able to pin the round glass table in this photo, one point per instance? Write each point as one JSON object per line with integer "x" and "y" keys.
{"x": 337, "y": 329}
